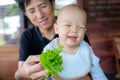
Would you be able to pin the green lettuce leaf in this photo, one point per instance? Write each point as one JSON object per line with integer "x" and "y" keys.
{"x": 51, "y": 61}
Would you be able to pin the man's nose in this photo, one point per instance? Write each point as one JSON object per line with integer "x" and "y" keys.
{"x": 39, "y": 14}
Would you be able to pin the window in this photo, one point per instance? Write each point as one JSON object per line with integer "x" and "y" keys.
{"x": 60, "y": 3}
{"x": 9, "y": 22}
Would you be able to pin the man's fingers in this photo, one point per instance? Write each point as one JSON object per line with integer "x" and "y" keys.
{"x": 38, "y": 75}
{"x": 32, "y": 59}
{"x": 32, "y": 64}
{"x": 36, "y": 67}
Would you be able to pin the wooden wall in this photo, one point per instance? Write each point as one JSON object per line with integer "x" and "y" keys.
{"x": 8, "y": 61}
{"x": 101, "y": 39}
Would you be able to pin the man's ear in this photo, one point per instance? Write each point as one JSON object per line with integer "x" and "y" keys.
{"x": 55, "y": 28}
{"x": 25, "y": 13}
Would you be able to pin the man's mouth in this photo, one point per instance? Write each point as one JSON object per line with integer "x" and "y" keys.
{"x": 43, "y": 21}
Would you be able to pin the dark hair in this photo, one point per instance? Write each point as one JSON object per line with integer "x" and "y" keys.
{"x": 21, "y": 3}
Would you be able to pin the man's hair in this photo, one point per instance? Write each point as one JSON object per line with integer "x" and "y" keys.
{"x": 22, "y": 3}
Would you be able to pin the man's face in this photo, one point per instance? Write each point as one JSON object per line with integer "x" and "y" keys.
{"x": 40, "y": 13}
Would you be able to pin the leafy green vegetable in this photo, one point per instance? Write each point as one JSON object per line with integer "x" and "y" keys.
{"x": 51, "y": 61}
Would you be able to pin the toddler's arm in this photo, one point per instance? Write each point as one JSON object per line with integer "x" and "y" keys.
{"x": 96, "y": 71}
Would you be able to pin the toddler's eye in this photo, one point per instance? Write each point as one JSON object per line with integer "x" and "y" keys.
{"x": 82, "y": 28}
{"x": 68, "y": 25}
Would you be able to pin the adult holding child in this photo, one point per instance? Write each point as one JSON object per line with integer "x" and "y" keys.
{"x": 41, "y": 15}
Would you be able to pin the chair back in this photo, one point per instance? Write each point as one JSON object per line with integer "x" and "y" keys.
{"x": 117, "y": 46}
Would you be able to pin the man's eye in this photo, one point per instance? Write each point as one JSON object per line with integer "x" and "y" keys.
{"x": 43, "y": 6}
{"x": 31, "y": 12}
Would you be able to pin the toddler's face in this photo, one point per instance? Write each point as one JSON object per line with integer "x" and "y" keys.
{"x": 71, "y": 26}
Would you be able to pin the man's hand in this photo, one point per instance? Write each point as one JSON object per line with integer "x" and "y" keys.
{"x": 30, "y": 69}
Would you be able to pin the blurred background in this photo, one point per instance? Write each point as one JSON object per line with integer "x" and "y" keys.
{"x": 103, "y": 27}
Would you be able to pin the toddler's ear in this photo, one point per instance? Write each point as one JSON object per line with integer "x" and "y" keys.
{"x": 55, "y": 28}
